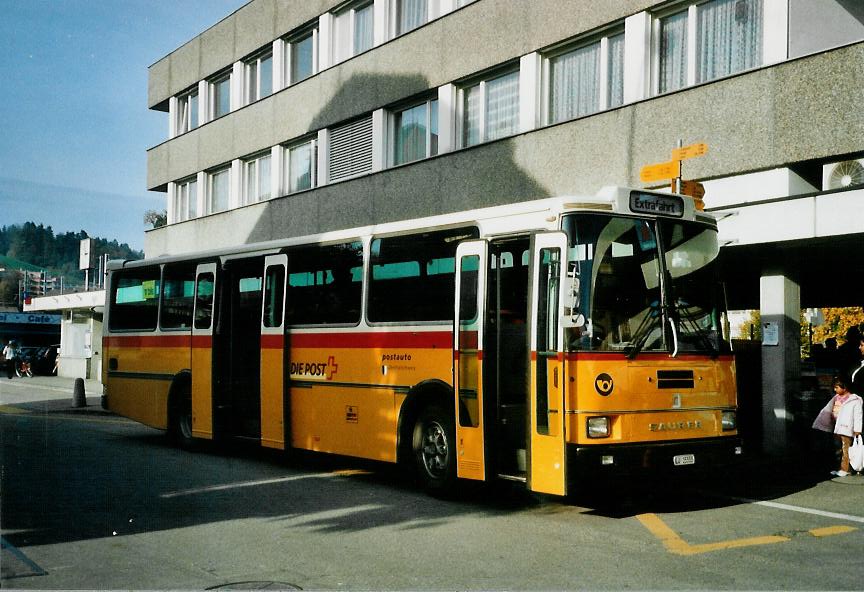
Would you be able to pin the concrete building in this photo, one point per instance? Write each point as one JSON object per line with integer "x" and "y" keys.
{"x": 80, "y": 335}
{"x": 290, "y": 117}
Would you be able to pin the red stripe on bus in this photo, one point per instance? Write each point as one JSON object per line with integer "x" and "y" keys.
{"x": 272, "y": 342}
{"x": 429, "y": 340}
{"x": 202, "y": 341}
{"x": 147, "y": 341}
{"x": 468, "y": 340}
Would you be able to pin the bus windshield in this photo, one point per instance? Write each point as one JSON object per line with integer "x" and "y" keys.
{"x": 616, "y": 300}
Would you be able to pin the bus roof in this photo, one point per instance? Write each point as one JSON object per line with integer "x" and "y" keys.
{"x": 540, "y": 214}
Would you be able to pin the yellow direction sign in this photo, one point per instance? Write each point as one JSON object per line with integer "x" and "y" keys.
{"x": 660, "y": 171}
{"x": 693, "y": 189}
{"x": 691, "y": 151}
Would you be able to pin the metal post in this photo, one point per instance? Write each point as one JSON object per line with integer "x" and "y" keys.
{"x": 79, "y": 399}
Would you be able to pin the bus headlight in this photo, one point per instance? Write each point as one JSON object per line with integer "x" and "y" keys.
{"x": 598, "y": 427}
{"x": 729, "y": 421}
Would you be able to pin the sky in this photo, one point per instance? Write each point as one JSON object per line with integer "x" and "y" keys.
{"x": 74, "y": 122}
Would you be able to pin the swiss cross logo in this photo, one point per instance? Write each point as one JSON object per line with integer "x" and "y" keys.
{"x": 332, "y": 367}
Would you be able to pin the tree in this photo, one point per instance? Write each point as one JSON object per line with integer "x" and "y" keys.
{"x": 752, "y": 328}
{"x": 156, "y": 219}
{"x": 837, "y": 322}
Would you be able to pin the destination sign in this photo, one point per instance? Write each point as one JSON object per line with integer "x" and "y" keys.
{"x": 650, "y": 203}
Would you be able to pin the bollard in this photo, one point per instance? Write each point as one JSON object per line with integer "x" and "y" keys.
{"x": 78, "y": 397}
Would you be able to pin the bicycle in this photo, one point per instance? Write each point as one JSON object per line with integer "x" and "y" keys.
{"x": 22, "y": 369}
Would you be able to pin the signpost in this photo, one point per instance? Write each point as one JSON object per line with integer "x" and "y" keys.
{"x": 660, "y": 171}
{"x": 671, "y": 171}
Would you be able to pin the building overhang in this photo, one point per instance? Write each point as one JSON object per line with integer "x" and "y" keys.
{"x": 94, "y": 299}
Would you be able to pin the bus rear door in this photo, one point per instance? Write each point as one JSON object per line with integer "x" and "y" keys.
{"x": 202, "y": 351}
{"x": 547, "y": 466}
{"x": 273, "y": 408}
{"x": 471, "y": 257}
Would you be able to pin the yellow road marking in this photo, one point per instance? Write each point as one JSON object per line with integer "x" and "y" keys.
{"x": 675, "y": 544}
{"x": 351, "y": 472}
{"x": 831, "y": 530}
{"x": 11, "y": 410}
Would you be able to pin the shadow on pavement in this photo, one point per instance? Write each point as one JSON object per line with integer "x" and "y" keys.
{"x": 80, "y": 474}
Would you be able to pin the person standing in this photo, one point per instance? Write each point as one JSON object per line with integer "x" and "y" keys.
{"x": 10, "y": 352}
{"x": 857, "y": 376}
{"x": 842, "y": 416}
{"x": 848, "y": 356}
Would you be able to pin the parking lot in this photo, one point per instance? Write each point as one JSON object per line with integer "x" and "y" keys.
{"x": 91, "y": 500}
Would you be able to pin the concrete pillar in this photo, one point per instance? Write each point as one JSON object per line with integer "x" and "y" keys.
{"x": 780, "y": 306}
{"x": 530, "y": 68}
{"x": 637, "y": 56}
{"x": 446, "y": 118}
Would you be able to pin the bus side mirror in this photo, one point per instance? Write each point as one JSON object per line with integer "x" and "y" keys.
{"x": 572, "y": 316}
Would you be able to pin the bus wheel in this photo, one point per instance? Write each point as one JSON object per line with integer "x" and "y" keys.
{"x": 180, "y": 428}
{"x": 434, "y": 445}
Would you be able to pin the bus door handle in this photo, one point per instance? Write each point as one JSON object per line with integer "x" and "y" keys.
{"x": 555, "y": 377}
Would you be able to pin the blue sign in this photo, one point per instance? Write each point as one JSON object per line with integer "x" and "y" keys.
{"x": 25, "y": 318}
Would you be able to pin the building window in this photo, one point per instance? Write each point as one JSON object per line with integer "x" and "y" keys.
{"x": 410, "y": 14}
{"x": 729, "y": 37}
{"x": 353, "y": 31}
{"x": 256, "y": 176}
{"x": 302, "y": 56}
{"x": 187, "y": 111}
{"x": 673, "y": 52}
{"x": 490, "y": 109}
{"x": 186, "y": 200}
{"x": 351, "y": 149}
{"x": 220, "y": 96}
{"x": 300, "y": 166}
{"x": 727, "y": 40}
{"x": 415, "y": 132}
{"x": 579, "y": 85}
{"x": 259, "y": 77}
{"x": 615, "y": 71}
{"x": 218, "y": 190}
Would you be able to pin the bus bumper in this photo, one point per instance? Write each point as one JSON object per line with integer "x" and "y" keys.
{"x": 656, "y": 457}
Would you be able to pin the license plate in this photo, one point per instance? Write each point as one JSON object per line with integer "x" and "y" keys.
{"x": 684, "y": 459}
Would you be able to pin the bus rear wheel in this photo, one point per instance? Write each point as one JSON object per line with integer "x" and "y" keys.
{"x": 180, "y": 428}
{"x": 434, "y": 446}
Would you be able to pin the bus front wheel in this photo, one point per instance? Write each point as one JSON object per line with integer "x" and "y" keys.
{"x": 434, "y": 445}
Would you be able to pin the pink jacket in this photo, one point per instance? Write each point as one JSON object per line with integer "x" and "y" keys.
{"x": 848, "y": 420}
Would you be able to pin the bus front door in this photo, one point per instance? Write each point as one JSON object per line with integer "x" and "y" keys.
{"x": 471, "y": 259}
{"x": 548, "y": 467}
{"x": 202, "y": 351}
{"x": 273, "y": 355}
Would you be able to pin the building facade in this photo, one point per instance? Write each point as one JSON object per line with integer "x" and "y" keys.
{"x": 292, "y": 117}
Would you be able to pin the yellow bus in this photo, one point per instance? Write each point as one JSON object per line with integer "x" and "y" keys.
{"x": 544, "y": 342}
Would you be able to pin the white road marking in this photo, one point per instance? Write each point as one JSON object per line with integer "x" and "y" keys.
{"x": 802, "y": 510}
{"x": 241, "y": 484}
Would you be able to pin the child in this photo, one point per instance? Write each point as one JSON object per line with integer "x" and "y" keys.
{"x": 842, "y": 416}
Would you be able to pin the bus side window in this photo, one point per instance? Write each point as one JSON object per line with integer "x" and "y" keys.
{"x": 412, "y": 275}
{"x": 324, "y": 284}
{"x": 135, "y": 299}
{"x": 178, "y": 286}
{"x": 204, "y": 301}
{"x": 274, "y": 288}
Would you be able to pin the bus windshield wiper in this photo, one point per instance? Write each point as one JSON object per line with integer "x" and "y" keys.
{"x": 640, "y": 337}
{"x": 682, "y": 307}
